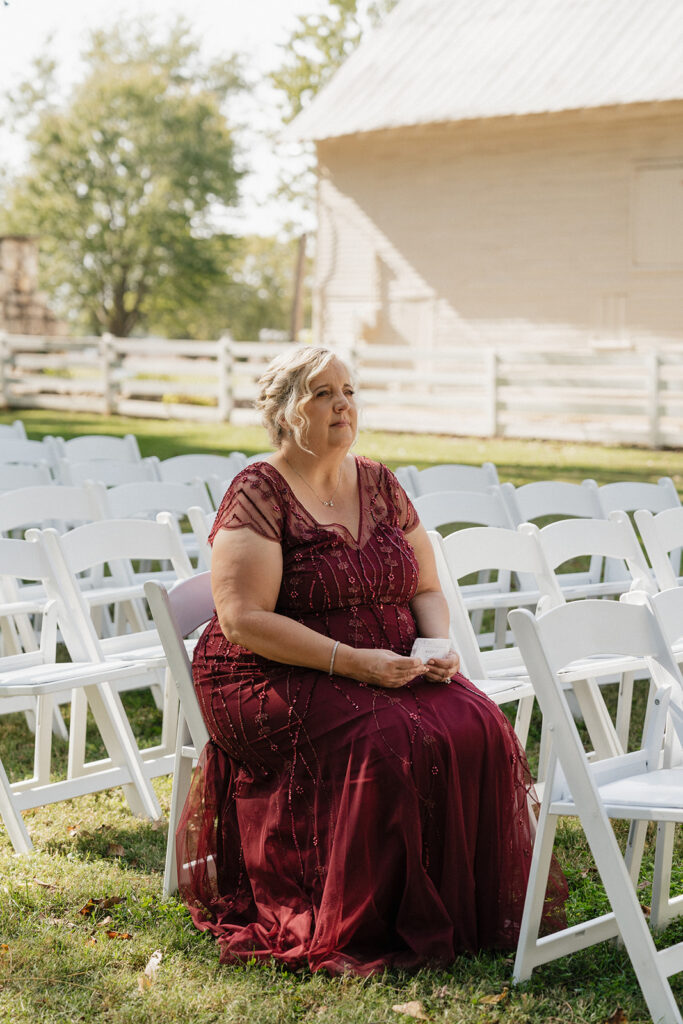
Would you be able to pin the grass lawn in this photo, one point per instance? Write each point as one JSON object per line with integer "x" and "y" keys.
{"x": 58, "y": 964}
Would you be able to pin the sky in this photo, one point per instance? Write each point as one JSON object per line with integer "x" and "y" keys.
{"x": 257, "y": 28}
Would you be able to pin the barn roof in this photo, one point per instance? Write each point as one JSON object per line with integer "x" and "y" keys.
{"x": 453, "y": 60}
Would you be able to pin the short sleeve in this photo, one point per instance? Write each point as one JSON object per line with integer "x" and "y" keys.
{"x": 408, "y": 518}
{"x": 252, "y": 500}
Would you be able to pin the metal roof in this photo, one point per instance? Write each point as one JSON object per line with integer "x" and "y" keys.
{"x": 453, "y": 60}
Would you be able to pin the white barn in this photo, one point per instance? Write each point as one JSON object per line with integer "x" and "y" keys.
{"x": 504, "y": 169}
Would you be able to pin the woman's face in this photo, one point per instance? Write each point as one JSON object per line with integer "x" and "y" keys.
{"x": 331, "y": 410}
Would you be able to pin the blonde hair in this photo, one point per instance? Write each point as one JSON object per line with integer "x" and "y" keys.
{"x": 285, "y": 387}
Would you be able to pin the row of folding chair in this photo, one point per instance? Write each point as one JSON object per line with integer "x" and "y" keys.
{"x": 110, "y": 460}
{"x": 41, "y": 578}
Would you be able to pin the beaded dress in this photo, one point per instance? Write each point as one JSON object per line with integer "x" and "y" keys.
{"x": 333, "y": 824}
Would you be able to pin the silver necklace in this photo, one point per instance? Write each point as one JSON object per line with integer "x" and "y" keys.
{"x": 327, "y": 504}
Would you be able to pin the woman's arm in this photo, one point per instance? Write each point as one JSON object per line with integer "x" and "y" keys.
{"x": 429, "y": 605}
{"x": 246, "y": 573}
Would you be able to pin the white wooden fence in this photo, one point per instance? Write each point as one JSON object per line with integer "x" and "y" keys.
{"x": 631, "y": 396}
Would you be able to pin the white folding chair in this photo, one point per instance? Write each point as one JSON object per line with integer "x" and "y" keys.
{"x": 92, "y": 447}
{"x": 610, "y": 538}
{"x": 560, "y": 498}
{"x": 177, "y": 614}
{"x": 662, "y": 536}
{"x": 186, "y": 468}
{"x": 201, "y": 523}
{"x": 454, "y": 476}
{"x": 634, "y": 787}
{"x": 439, "y": 509}
{"x": 145, "y": 500}
{"x": 110, "y": 472}
{"x": 406, "y": 476}
{"x": 35, "y": 676}
{"x": 14, "y": 429}
{"x": 114, "y": 544}
{"x": 29, "y": 453}
{"x": 629, "y": 495}
{"x": 16, "y": 475}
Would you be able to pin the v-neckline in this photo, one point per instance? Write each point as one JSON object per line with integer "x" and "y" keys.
{"x": 324, "y": 526}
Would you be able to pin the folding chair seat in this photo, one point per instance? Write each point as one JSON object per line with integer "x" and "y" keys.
{"x": 637, "y": 787}
{"x": 177, "y": 613}
{"x": 662, "y": 536}
{"x": 37, "y": 677}
{"x": 92, "y": 447}
{"x": 454, "y": 476}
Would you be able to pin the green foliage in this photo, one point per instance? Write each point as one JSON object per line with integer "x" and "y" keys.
{"x": 319, "y": 44}
{"x": 256, "y": 293}
{"x": 126, "y": 177}
{"x": 317, "y": 47}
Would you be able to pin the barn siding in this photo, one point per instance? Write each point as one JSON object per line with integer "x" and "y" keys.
{"x": 478, "y": 231}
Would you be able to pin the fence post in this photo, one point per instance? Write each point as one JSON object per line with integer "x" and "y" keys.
{"x": 4, "y": 367}
{"x": 107, "y": 356}
{"x": 653, "y": 361}
{"x": 491, "y": 368}
{"x": 225, "y": 373}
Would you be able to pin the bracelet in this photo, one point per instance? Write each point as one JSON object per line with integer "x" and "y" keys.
{"x": 334, "y": 652}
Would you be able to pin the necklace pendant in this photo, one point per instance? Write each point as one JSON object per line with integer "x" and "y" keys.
{"x": 328, "y": 504}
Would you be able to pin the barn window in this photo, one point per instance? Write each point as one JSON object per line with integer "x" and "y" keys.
{"x": 657, "y": 218}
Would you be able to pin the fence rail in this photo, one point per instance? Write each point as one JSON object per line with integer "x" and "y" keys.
{"x": 630, "y": 396}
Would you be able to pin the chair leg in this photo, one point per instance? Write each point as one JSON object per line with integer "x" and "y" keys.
{"x": 663, "y": 907}
{"x": 121, "y": 747}
{"x": 525, "y": 959}
{"x": 14, "y": 823}
{"x": 523, "y": 718}
{"x": 625, "y": 701}
{"x": 182, "y": 777}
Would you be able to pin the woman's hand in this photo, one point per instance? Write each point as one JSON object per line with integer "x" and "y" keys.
{"x": 441, "y": 669}
{"x": 378, "y": 667}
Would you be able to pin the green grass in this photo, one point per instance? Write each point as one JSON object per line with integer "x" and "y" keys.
{"x": 58, "y": 965}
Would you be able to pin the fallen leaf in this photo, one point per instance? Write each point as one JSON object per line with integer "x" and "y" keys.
{"x": 92, "y": 941}
{"x": 45, "y": 885}
{"x": 618, "y": 1017}
{"x": 153, "y": 964}
{"x": 73, "y": 830}
{"x": 89, "y": 908}
{"x": 105, "y": 921}
{"x": 4, "y": 949}
{"x": 646, "y": 910}
{"x": 118, "y": 935}
{"x": 112, "y": 901}
{"x": 493, "y": 1000}
{"x": 116, "y": 850}
{"x": 413, "y": 1009}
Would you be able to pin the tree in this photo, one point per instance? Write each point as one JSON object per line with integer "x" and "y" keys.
{"x": 316, "y": 48}
{"x": 257, "y": 293}
{"x": 128, "y": 176}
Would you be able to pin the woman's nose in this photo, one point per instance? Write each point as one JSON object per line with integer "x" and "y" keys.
{"x": 342, "y": 401}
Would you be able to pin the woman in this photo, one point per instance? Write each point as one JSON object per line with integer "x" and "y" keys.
{"x": 355, "y": 808}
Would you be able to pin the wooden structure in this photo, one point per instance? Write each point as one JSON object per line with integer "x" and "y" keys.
{"x": 504, "y": 170}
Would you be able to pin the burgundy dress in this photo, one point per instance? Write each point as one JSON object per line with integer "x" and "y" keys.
{"x": 335, "y": 824}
